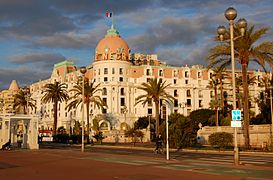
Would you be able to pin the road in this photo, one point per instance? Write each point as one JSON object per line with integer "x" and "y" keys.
{"x": 126, "y": 164}
{"x": 247, "y": 159}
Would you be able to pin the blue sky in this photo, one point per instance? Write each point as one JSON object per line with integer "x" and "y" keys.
{"x": 36, "y": 34}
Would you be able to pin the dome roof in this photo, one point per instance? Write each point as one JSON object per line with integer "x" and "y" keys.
{"x": 112, "y": 47}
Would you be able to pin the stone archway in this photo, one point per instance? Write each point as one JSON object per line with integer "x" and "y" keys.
{"x": 104, "y": 125}
{"x": 124, "y": 126}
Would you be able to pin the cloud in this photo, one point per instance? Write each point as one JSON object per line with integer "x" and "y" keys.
{"x": 47, "y": 59}
{"x": 71, "y": 40}
{"x": 171, "y": 31}
{"x": 23, "y": 75}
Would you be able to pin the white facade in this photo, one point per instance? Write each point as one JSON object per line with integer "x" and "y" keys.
{"x": 119, "y": 79}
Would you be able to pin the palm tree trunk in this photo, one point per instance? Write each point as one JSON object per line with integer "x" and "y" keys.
{"x": 246, "y": 108}
{"x": 238, "y": 99}
{"x": 216, "y": 107}
{"x": 222, "y": 94}
{"x": 87, "y": 119}
{"x": 156, "y": 118}
{"x": 55, "y": 109}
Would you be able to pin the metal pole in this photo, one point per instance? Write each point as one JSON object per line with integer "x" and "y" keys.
{"x": 271, "y": 106}
{"x": 83, "y": 113}
{"x": 236, "y": 151}
{"x": 167, "y": 134}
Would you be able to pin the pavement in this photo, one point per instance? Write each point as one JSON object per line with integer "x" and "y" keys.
{"x": 71, "y": 163}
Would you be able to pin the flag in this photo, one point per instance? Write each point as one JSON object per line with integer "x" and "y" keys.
{"x": 108, "y": 14}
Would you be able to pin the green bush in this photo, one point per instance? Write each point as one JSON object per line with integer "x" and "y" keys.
{"x": 99, "y": 137}
{"x": 61, "y": 138}
{"x": 221, "y": 139}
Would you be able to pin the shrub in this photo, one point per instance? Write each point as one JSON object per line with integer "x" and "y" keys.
{"x": 61, "y": 138}
{"x": 99, "y": 137}
{"x": 221, "y": 139}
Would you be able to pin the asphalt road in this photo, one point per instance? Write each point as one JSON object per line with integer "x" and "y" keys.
{"x": 246, "y": 158}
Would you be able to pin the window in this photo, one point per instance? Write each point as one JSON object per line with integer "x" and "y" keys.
{"x": 150, "y": 102}
{"x": 200, "y": 94}
{"x": 186, "y": 74}
{"x": 104, "y": 110}
{"x": 104, "y": 91}
{"x": 122, "y": 91}
{"x": 120, "y": 79}
{"x": 122, "y": 101}
{"x": 160, "y": 72}
{"x": 148, "y": 79}
{"x": 113, "y": 70}
{"x": 199, "y": 74}
{"x": 105, "y": 79}
{"x": 150, "y": 111}
{"x": 148, "y": 72}
{"x": 99, "y": 72}
{"x": 188, "y": 102}
{"x": 211, "y": 94}
{"x": 175, "y": 73}
{"x": 188, "y": 93}
{"x": 186, "y": 81}
{"x": 175, "y": 93}
{"x": 174, "y": 81}
{"x": 200, "y": 103}
{"x": 105, "y": 70}
{"x": 175, "y": 103}
{"x": 121, "y": 71}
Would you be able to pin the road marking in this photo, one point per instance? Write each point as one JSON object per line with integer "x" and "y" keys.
{"x": 223, "y": 160}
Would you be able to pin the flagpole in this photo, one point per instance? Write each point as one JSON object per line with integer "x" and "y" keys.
{"x": 112, "y": 19}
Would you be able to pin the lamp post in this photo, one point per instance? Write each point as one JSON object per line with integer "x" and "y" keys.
{"x": 230, "y": 15}
{"x": 167, "y": 134}
{"x": 83, "y": 71}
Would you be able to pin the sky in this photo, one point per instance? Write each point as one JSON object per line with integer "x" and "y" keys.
{"x": 36, "y": 34}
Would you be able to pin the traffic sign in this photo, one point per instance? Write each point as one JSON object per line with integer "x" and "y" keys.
{"x": 236, "y": 115}
{"x": 236, "y": 124}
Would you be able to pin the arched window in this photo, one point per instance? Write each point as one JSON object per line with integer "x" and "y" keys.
{"x": 104, "y": 126}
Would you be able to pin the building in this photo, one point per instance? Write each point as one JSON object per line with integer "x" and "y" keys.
{"x": 120, "y": 73}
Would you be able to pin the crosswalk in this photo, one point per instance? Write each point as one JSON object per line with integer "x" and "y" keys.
{"x": 251, "y": 160}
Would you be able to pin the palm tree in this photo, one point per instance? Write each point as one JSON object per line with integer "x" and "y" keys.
{"x": 246, "y": 49}
{"x": 90, "y": 89}
{"x": 213, "y": 83}
{"x": 21, "y": 100}
{"x": 155, "y": 91}
{"x": 221, "y": 75}
{"x": 55, "y": 92}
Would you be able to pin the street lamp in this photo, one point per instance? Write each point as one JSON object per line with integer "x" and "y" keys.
{"x": 230, "y": 15}
{"x": 83, "y": 71}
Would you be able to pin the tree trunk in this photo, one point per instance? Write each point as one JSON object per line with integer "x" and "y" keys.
{"x": 55, "y": 109}
{"x": 216, "y": 107}
{"x": 156, "y": 118}
{"x": 238, "y": 99}
{"x": 87, "y": 120}
{"x": 246, "y": 108}
{"x": 222, "y": 94}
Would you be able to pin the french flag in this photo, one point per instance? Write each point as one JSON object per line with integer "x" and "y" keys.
{"x": 108, "y": 14}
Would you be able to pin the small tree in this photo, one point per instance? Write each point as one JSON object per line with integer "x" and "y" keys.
{"x": 221, "y": 139}
{"x": 99, "y": 137}
{"x": 134, "y": 134}
{"x": 142, "y": 123}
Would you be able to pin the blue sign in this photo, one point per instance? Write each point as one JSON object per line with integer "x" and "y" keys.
{"x": 236, "y": 115}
